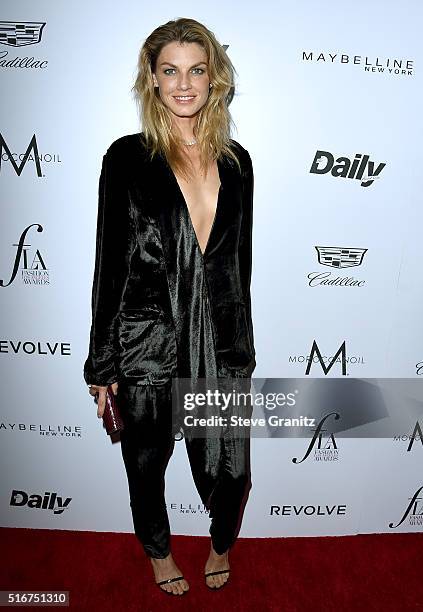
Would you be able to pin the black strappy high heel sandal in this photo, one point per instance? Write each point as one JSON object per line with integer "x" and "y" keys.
{"x": 167, "y": 582}
{"x": 216, "y": 588}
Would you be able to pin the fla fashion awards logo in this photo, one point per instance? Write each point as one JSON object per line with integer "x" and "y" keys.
{"x": 29, "y": 261}
{"x": 21, "y": 34}
{"x": 323, "y": 442}
{"x": 413, "y": 513}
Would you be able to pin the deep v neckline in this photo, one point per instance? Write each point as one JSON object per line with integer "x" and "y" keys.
{"x": 183, "y": 200}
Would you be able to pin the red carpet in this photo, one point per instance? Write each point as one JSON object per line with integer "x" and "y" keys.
{"x": 109, "y": 571}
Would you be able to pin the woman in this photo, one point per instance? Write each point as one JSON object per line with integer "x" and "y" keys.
{"x": 171, "y": 289}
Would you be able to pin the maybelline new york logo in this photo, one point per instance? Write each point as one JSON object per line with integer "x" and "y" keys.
{"x": 337, "y": 257}
{"x": 361, "y": 168}
{"x": 44, "y": 430}
{"x": 33, "y": 268}
{"x": 31, "y": 154}
{"x": 388, "y": 65}
{"x": 20, "y": 34}
{"x": 189, "y": 508}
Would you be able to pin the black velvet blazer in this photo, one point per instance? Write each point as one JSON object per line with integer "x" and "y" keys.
{"x": 137, "y": 295}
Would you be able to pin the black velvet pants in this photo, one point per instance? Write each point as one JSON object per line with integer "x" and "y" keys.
{"x": 220, "y": 468}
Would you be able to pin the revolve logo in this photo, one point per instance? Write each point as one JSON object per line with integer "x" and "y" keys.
{"x": 28, "y": 347}
{"x": 309, "y": 510}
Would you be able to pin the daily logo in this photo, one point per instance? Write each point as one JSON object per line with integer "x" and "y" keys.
{"x": 33, "y": 268}
{"x": 337, "y": 257}
{"x": 49, "y": 501}
{"x": 361, "y": 168}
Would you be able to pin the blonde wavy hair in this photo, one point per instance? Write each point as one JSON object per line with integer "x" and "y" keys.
{"x": 214, "y": 120}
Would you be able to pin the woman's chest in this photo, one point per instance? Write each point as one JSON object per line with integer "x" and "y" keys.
{"x": 167, "y": 210}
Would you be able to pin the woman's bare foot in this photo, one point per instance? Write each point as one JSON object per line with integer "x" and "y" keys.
{"x": 215, "y": 563}
{"x": 166, "y": 568}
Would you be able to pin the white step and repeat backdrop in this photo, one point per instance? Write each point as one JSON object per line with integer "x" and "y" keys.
{"x": 328, "y": 103}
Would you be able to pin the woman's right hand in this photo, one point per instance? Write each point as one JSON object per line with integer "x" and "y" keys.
{"x": 100, "y": 392}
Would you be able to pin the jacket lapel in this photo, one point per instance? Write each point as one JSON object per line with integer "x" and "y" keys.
{"x": 161, "y": 193}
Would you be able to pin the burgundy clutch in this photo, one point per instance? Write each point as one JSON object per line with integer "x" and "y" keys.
{"x": 111, "y": 416}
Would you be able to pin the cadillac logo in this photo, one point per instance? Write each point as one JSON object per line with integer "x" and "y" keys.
{"x": 338, "y": 257}
{"x": 20, "y": 33}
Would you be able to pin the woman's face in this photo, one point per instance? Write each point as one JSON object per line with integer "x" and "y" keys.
{"x": 182, "y": 77}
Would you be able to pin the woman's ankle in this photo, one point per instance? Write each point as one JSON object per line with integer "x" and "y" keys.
{"x": 217, "y": 553}
{"x": 166, "y": 557}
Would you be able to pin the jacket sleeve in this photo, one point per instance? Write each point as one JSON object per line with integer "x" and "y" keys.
{"x": 245, "y": 244}
{"x": 114, "y": 241}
